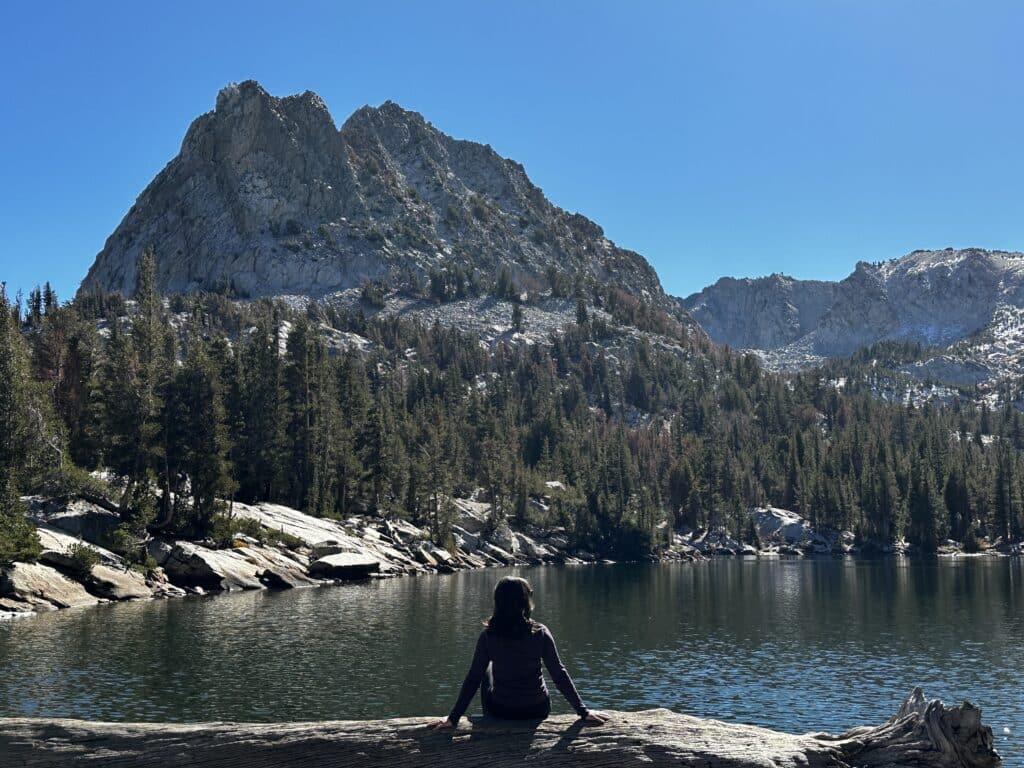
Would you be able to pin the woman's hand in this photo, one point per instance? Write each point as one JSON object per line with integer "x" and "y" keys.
{"x": 596, "y": 718}
{"x": 441, "y": 725}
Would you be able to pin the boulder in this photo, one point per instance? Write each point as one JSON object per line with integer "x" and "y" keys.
{"x": 160, "y": 551}
{"x": 473, "y": 515}
{"x": 156, "y": 580}
{"x": 403, "y": 533}
{"x": 277, "y": 578}
{"x": 785, "y": 527}
{"x": 42, "y": 587}
{"x": 717, "y": 543}
{"x": 168, "y": 590}
{"x": 473, "y": 560}
{"x": 11, "y": 608}
{"x": 192, "y": 565}
{"x": 498, "y": 554}
{"x": 276, "y": 569}
{"x": 559, "y": 542}
{"x": 56, "y": 544}
{"x": 314, "y": 530}
{"x": 441, "y": 558}
{"x": 79, "y": 518}
{"x": 330, "y": 547}
{"x": 117, "y": 584}
{"x": 503, "y": 538}
{"x": 464, "y": 540}
{"x": 344, "y": 565}
{"x": 440, "y": 554}
{"x": 424, "y": 556}
{"x": 532, "y": 549}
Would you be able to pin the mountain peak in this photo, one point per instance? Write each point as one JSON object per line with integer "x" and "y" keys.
{"x": 268, "y": 197}
{"x": 234, "y": 94}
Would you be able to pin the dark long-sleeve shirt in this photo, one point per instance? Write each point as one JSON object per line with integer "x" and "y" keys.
{"x": 516, "y": 671}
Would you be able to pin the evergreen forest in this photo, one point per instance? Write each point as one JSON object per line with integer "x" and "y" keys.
{"x": 165, "y": 409}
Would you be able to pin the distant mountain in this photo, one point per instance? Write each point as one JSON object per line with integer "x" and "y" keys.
{"x": 966, "y": 305}
{"x": 761, "y": 313}
{"x": 268, "y": 197}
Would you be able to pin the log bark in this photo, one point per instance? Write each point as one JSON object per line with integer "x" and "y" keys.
{"x": 922, "y": 733}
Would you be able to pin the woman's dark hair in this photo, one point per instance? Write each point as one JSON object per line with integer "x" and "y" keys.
{"x": 512, "y": 607}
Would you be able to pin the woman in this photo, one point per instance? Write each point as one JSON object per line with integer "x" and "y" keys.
{"x": 507, "y": 662}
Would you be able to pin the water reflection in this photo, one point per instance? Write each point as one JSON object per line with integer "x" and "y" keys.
{"x": 796, "y": 645}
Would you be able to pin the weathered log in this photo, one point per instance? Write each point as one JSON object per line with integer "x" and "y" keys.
{"x": 921, "y": 734}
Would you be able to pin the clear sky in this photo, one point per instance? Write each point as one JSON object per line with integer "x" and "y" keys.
{"x": 717, "y": 137}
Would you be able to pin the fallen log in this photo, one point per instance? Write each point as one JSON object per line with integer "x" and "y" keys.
{"x": 922, "y": 733}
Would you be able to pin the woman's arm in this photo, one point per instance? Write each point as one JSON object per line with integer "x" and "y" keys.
{"x": 560, "y": 676}
{"x": 481, "y": 658}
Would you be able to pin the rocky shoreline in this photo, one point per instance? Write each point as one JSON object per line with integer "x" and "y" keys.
{"x": 284, "y": 548}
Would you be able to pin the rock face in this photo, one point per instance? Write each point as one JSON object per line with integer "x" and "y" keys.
{"x": 42, "y": 587}
{"x": 922, "y": 733}
{"x": 761, "y": 313}
{"x": 77, "y": 519}
{"x": 224, "y": 570}
{"x": 267, "y": 197}
{"x": 936, "y": 298}
{"x": 780, "y": 526}
{"x": 117, "y": 584}
{"x": 56, "y": 544}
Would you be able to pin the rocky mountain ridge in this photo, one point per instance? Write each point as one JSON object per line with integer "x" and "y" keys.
{"x": 965, "y": 306}
{"x": 267, "y": 197}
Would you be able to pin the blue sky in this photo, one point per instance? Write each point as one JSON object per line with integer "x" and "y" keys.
{"x": 716, "y": 138}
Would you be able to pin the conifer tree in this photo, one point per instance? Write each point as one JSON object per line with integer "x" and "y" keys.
{"x": 202, "y": 445}
{"x": 18, "y": 540}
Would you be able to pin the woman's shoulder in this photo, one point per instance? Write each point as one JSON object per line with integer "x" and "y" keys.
{"x": 540, "y": 629}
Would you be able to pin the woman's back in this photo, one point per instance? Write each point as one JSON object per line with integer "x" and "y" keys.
{"x": 507, "y": 663}
{"x": 516, "y": 666}
{"x": 516, "y": 676}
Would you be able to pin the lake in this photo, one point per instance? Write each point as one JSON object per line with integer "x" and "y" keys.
{"x": 795, "y": 645}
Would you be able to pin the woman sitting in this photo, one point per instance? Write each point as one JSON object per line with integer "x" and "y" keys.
{"x": 507, "y": 662}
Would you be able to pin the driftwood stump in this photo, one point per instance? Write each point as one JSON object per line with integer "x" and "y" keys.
{"x": 921, "y": 733}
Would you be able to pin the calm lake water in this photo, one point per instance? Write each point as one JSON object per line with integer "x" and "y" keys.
{"x": 794, "y": 645}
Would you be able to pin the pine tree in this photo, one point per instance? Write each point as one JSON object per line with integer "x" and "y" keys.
{"x": 517, "y": 316}
{"x": 49, "y": 298}
{"x": 262, "y": 451}
{"x": 132, "y": 381}
{"x": 14, "y": 377}
{"x": 203, "y": 445}
{"x": 18, "y": 539}
{"x": 300, "y": 361}
{"x": 124, "y": 413}
{"x": 582, "y": 318}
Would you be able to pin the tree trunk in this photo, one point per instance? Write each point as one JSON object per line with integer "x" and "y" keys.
{"x": 921, "y": 734}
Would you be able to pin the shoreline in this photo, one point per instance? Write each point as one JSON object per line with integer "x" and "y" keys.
{"x": 296, "y": 550}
